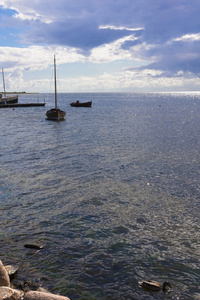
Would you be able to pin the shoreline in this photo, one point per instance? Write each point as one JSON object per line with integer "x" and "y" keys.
{"x": 10, "y": 292}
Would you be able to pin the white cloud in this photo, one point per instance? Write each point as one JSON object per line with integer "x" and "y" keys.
{"x": 31, "y": 16}
{"x": 112, "y": 51}
{"x": 120, "y": 28}
{"x": 25, "y": 12}
{"x": 36, "y": 57}
{"x": 188, "y": 38}
{"x": 128, "y": 81}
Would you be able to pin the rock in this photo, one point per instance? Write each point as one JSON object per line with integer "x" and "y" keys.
{"x": 4, "y": 277}
{"x": 41, "y": 289}
{"x": 12, "y": 270}
{"x": 35, "y": 295}
{"x": 10, "y": 294}
{"x": 27, "y": 285}
{"x": 34, "y": 246}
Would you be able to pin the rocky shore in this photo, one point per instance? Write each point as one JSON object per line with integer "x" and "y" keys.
{"x": 9, "y": 292}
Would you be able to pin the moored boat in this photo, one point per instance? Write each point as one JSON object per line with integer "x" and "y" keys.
{"x": 81, "y": 104}
{"x": 55, "y": 113}
{"x": 7, "y": 99}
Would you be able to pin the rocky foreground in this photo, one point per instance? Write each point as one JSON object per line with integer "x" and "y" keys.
{"x": 7, "y": 292}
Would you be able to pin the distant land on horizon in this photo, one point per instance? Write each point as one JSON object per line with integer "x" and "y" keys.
{"x": 18, "y": 93}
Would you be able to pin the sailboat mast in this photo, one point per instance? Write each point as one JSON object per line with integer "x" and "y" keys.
{"x": 4, "y": 83}
{"x": 55, "y": 82}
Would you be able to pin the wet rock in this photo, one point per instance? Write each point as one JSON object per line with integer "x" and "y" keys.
{"x": 10, "y": 294}
{"x": 12, "y": 270}
{"x": 34, "y": 246}
{"x": 27, "y": 285}
{"x": 4, "y": 277}
{"x": 36, "y": 295}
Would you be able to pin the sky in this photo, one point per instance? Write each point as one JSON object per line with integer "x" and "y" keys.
{"x": 100, "y": 45}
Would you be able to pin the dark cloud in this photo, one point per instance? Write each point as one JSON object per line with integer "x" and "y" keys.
{"x": 128, "y": 44}
{"x": 77, "y": 24}
{"x": 175, "y": 57}
{"x": 85, "y": 36}
{"x": 161, "y": 20}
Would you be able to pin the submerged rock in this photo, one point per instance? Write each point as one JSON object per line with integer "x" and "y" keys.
{"x": 4, "y": 277}
{"x": 34, "y": 246}
{"x": 37, "y": 295}
{"x": 10, "y": 294}
{"x": 27, "y": 285}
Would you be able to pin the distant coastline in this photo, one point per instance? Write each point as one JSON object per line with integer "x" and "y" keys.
{"x": 18, "y": 93}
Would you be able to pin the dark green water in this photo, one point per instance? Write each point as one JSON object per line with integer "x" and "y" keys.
{"x": 112, "y": 193}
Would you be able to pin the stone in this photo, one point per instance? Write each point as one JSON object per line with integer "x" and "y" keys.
{"x": 34, "y": 246}
{"x": 35, "y": 295}
{"x": 10, "y": 294}
{"x": 12, "y": 270}
{"x": 4, "y": 277}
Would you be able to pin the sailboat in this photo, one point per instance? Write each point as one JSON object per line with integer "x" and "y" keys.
{"x": 7, "y": 99}
{"x": 55, "y": 113}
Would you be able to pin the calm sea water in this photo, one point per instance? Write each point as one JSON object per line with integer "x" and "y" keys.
{"x": 112, "y": 192}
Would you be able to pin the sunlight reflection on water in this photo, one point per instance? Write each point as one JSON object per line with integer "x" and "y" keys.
{"x": 112, "y": 192}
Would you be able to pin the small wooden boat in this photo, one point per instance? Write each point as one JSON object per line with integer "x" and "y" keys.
{"x": 55, "y": 113}
{"x": 81, "y": 104}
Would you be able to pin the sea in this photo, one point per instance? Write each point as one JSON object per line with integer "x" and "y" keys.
{"x": 112, "y": 193}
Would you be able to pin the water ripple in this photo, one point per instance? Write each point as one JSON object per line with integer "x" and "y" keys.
{"x": 112, "y": 193}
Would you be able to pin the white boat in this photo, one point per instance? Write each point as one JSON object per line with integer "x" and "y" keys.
{"x": 55, "y": 113}
{"x": 7, "y": 99}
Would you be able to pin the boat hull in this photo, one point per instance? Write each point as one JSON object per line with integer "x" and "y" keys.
{"x": 83, "y": 104}
{"x": 55, "y": 114}
{"x": 9, "y": 99}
